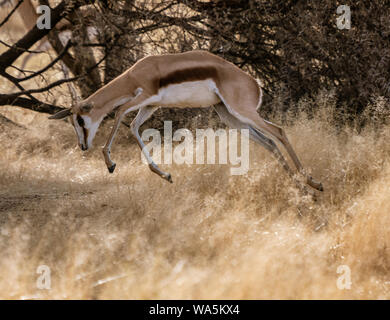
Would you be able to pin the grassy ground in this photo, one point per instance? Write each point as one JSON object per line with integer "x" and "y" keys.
{"x": 209, "y": 235}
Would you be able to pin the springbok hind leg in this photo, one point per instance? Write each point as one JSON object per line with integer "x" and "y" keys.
{"x": 283, "y": 139}
{"x": 259, "y": 138}
{"x": 251, "y": 117}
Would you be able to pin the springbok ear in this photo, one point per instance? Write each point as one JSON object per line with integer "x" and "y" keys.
{"x": 61, "y": 114}
{"x": 86, "y": 108}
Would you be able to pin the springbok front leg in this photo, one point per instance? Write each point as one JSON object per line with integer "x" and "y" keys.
{"x": 143, "y": 115}
{"x": 133, "y": 105}
{"x": 107, "y": 148}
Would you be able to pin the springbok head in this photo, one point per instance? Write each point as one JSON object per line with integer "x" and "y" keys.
{"x": 83, "y": 121}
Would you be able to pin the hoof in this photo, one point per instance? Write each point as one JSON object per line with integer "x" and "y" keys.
{"x": 112, "y": 168}
{"x": 314, "y": 184}
{"x": 168, "y": 177}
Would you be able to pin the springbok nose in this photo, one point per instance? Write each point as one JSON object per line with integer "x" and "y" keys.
{"x": 83, "y": 147}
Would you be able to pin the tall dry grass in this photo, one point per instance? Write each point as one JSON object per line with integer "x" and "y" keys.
{"x": 208, "y": 235}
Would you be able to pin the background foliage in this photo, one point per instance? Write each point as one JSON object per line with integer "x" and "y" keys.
{"x": 293, "y": 47}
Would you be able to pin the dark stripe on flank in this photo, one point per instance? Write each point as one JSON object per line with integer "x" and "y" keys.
{"x": 190, "y": 74}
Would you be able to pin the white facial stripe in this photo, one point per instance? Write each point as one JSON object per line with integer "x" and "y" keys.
{"x": 89, "y": 126}
{"x": 92, "y": 129}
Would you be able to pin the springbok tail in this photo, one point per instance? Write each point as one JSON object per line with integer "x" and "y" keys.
{"x": 261, "y": 95}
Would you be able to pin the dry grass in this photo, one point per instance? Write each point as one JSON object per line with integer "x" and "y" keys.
{"x": 209, "y": 235}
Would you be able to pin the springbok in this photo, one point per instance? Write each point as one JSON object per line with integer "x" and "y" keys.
{"x": 192, "y": 79}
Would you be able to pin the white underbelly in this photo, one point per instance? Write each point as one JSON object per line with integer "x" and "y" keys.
{"x": 195, "y": 94}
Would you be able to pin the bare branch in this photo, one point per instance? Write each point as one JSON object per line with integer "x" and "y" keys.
{"x": 50, "y": 86}
{"x": 34, "y": 105}
{"x": 35, "y": 34}
{"x": 52, "y": 63}
{"x": 11, "y": 13}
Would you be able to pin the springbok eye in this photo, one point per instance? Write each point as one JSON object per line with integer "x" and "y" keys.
{"x": 80, "y": 121}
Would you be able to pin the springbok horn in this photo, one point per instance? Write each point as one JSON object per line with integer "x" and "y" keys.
{"x": 61, "y": 114}
{"x": 75, "y": 98}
